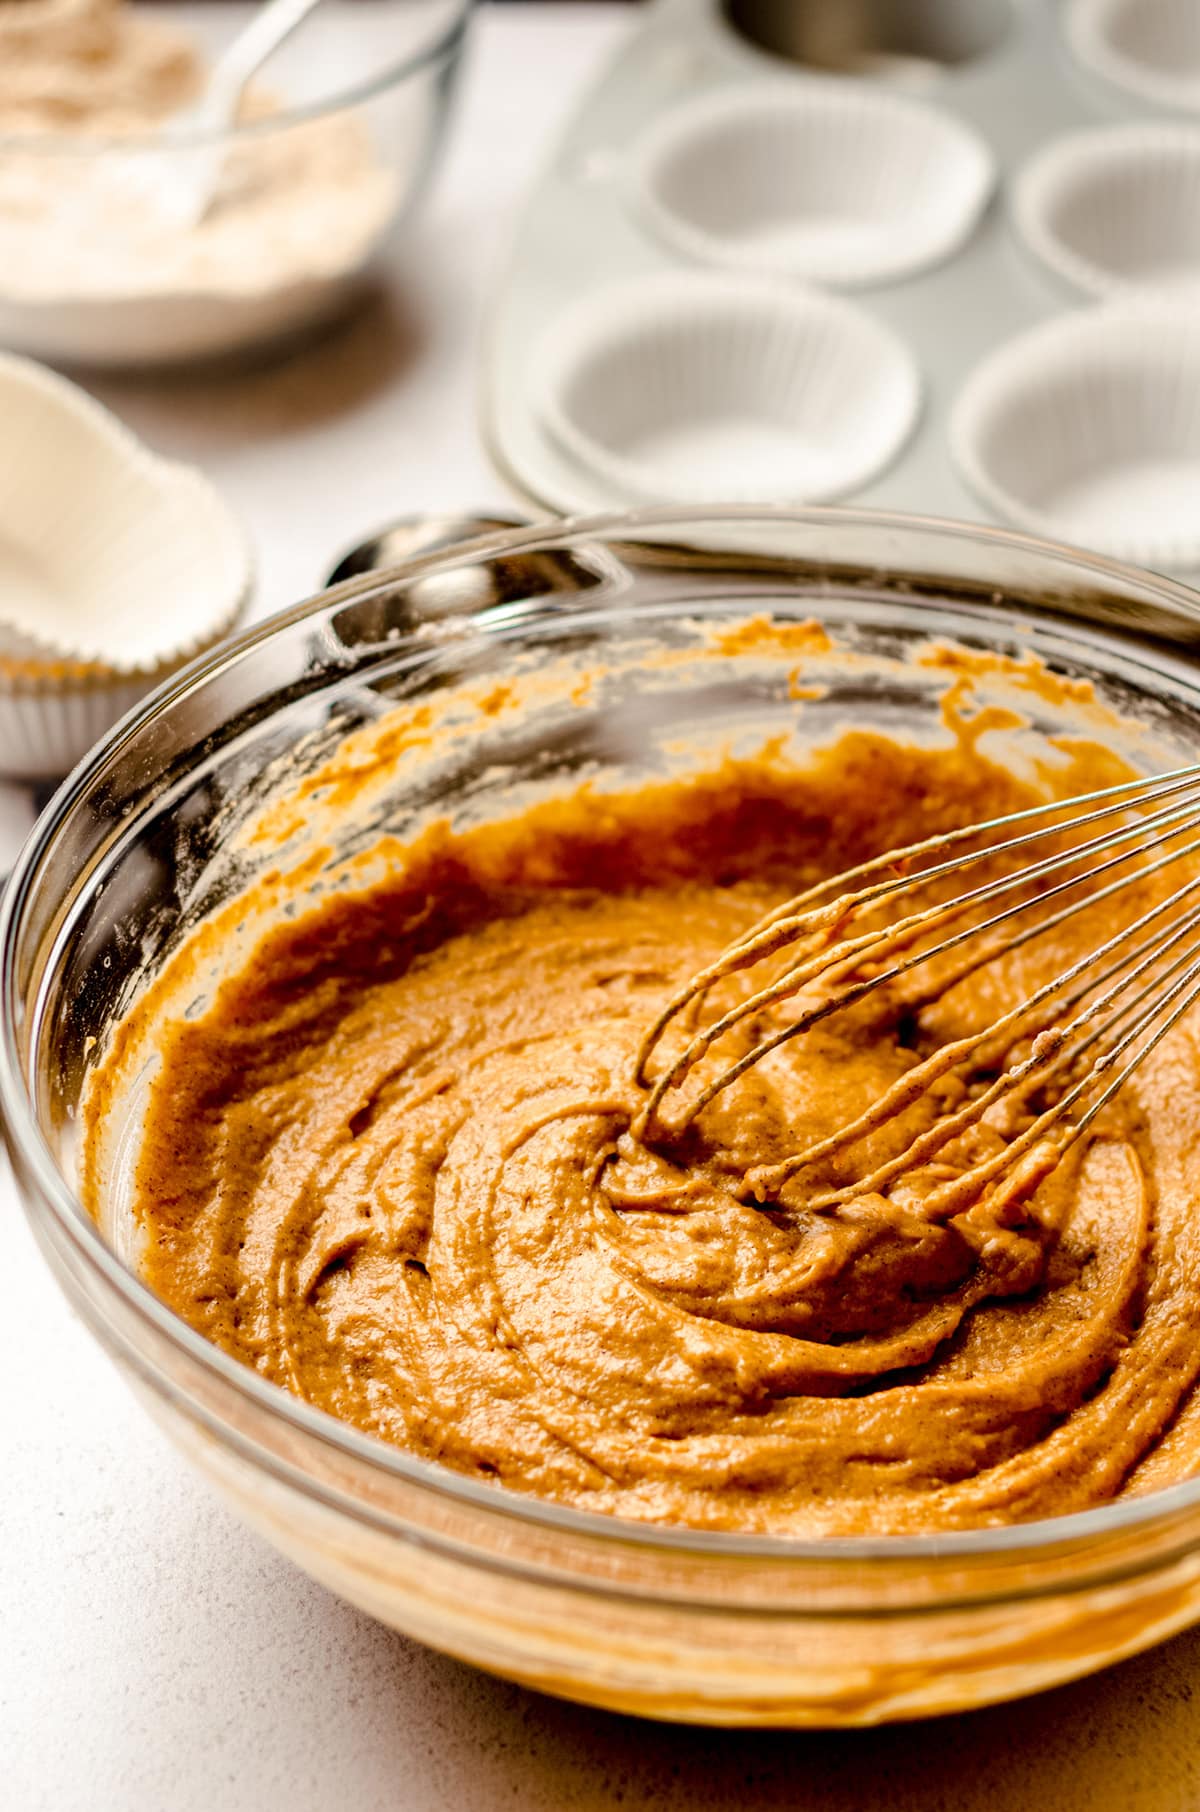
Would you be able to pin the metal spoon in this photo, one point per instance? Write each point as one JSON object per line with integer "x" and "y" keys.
{"x": 409, "y": 536}
{"x": 179, "y": 179}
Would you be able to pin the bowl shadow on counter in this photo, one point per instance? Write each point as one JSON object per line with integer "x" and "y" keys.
{"x": 325, "y": 372}
{"x": 355, "y": 1714}
{"x": 350, "y": 1712}
{"x": 1128, "y": 1738}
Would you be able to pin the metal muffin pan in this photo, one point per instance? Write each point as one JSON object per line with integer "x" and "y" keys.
{"x": 588, "y": 246}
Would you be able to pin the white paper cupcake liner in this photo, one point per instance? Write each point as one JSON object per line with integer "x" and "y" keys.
{"x": 1087, "y": 429}
{"x": 51, "y": 713}
{"x": 108, "y": 554}
{"x": 44, "y": 733}
{"x": 1149, "y": 47}
{"x": 836, "y": 183}
{"x": 703, "y": 388}
{"x": 1116, "y": 210}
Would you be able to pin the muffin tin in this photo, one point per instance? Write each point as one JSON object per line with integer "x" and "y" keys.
{"x": 940, "y": 257}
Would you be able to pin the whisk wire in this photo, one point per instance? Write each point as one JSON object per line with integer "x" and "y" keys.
{"x": 799, "y": 916}
{"x": 1087, "y": 1028}
{"x": 851, "y": 953}
{"x": 1052, "y": 1051}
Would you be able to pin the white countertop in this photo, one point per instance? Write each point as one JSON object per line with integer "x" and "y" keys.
{"x": 154, "y": 1656}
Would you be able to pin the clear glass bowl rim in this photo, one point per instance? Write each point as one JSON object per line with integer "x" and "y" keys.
{"x": 24, "y": 1134}
{"x": 441, "y": 47}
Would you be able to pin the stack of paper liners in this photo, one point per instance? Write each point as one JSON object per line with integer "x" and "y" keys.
{"x": 116, "y": 567}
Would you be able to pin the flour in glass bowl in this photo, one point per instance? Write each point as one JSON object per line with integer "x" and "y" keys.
{"x": 90, "y": 267}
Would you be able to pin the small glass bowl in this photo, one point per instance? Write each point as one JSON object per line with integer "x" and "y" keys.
{"x": 138, "y": 846}
{"x": 100, "y": 261}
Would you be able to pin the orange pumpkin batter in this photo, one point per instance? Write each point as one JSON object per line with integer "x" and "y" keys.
{"x": 390, "y": 1167}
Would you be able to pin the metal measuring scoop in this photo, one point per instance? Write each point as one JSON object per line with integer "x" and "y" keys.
{"x": 410, "y": 536}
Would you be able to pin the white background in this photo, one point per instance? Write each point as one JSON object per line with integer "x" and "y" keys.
{"x": 155, "y": 1657}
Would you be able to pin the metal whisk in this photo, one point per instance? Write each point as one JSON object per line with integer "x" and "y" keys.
{"x": 1079, "y": 1036}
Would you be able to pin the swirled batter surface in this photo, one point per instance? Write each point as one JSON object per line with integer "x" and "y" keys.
{"x": 390, "y": 1167}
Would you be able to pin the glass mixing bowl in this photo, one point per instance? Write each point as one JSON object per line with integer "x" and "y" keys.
{"x": 142, "y": 841}
{"x": 102, "y": 260}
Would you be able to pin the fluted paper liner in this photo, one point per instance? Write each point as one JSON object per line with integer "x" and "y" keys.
{"x": 115, "y": 568}
{"x": 1116, "y": 210}
{"x": 697, "y": 388}
{"x": 836, "y": 183}
{"x": 1150, "y": 47}
{"x": 108, "y": 554}
{"x": 1087, "y": 429}
{"x": 45, "y": 730}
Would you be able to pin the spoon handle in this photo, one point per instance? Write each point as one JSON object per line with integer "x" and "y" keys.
{"x": 245, "y": 56}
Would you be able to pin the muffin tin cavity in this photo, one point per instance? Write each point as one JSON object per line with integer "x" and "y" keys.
{"x": 1088, "y": 429}
{"x": 1117, "y": 209}
{"x": 1149, "y": 47}
{"x": 880, "y": 38}
{"x": 836, "y": 182}
{"x": 703, "y": 387}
